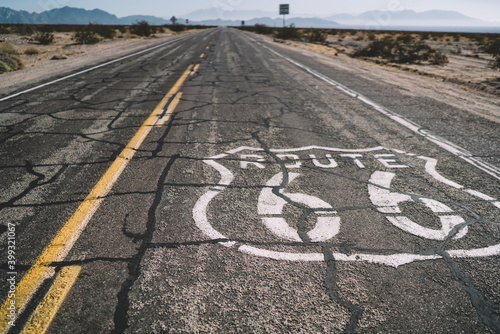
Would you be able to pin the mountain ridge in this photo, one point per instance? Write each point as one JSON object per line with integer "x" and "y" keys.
{"x": 218, "y": 16}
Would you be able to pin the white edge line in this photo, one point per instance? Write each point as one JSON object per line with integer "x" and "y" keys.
{"x": 441, "y": 142}
{"x": 89, "y": 69}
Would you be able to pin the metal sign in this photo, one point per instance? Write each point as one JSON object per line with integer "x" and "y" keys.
{"x": 284, "y": 9}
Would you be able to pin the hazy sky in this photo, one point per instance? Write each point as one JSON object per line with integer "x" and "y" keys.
{"x": 488, "y": 10}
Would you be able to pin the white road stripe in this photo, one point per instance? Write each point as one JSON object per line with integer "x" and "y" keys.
{"x": 88, "y": 70}
{"x": 441, "y": 142}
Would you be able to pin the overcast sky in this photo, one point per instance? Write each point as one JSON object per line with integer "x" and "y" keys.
{"x": 488, "y": 10}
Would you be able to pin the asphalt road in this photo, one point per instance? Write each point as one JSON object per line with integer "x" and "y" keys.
{"x": 266, "y": 193}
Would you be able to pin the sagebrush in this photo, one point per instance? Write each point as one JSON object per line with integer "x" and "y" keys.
{"x": 403, "y": 49}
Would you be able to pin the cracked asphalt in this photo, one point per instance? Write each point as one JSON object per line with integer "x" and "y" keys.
{"x": 271, "y": 201}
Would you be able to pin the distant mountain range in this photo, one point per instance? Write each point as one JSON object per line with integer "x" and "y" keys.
{"x": 69, "y": 15}
{"x": 369, "y": 20}
{"x": 214, "y": 16}
{"x": 409, "y": 18}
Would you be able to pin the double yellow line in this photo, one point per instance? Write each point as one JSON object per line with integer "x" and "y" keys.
{"x": 63, "y": 242}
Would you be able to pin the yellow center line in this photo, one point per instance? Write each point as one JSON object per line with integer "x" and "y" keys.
{"x": 195, "y": 69}
{"x": 41, "y": 318}
{"x": 64, "y": 240}
{"x": 170, "y": 110}
{"x": 202, "y": 55}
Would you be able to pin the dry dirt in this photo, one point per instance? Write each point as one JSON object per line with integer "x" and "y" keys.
{"x": 65, "y": 56}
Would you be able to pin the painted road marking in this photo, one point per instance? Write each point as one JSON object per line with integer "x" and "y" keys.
{"x": 385, "y": 163}
{"x": 202, "y": 55}
{"x": 441, "y": 142}
{"x": 45, "y": 312}
{"x": 387, "y": 201}
{"x": 269, "y": 204}
{"x": 195, "y": 69}
{"x": 62, "y": 243}
{"x": 170, "y": 110}
{"x": 89, "y": 69}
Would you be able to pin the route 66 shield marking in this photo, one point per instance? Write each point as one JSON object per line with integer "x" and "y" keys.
{"x": 377, "y": 174}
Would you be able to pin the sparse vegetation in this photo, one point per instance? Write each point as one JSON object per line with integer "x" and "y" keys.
{"x": 21, "y": 38}
{"x": 45, "y": 38}
{"x": 141, "y": 28}
{"x": 263, "y": 29}
{"x": 318, "y": 36}
{"x": 59, "y": 57}
{"x": 102, "y": 30}
{"x": 31, "y": 51}
{"x": 8, "y": 60}
{"x": 177, "y": 27}
{"x": 6, "y": 48}
{"x": 86, "y": 37}
{"x": 9, "y": 63}
{"x": 4, "y": 30}
{"x": 403, "y": 49}
{"x": 288, "y": 33}
{"x": 493, "y": 48}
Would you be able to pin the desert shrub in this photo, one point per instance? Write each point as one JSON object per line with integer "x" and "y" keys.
{"x": 31, "y": 51}
{"x": 372, "y": 37}
{"x": 13, "y": 63}
{"x": 479, "y": 38}
{"x": 495, "y": 63}
{"x": 378, "y": 48}
{"x": 6, "y": 48}
{"x": 263, "y": 29}
{"x": 318, "y": 36}
{"x": 493, "y": 48}
{"x": 4, "y": 67}
{"x": 424, "y": 36}
{"x": 288, "y": 33}
{"x": 141, "y": 28}
{"x": 59, "y": 57}
{"x": 45, "y": 38}
{"x": 4, "y": 30}
{"x": 177, "y": 27}
{"x": 436, "y": 57}
{"x": 86, "y": 37}
{"x": 403, "y": 49}
{"x": 102, "y": 30}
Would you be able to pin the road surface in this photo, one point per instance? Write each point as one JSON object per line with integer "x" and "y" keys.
{"x": 223, "y": 183}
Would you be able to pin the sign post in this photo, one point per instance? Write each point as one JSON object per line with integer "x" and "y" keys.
{"x": 284, "y": 10}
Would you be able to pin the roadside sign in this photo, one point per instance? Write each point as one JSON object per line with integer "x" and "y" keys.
{"x": 284, "y": 9}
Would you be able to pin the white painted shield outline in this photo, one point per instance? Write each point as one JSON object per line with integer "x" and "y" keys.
{"x": 393, "y": 260}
